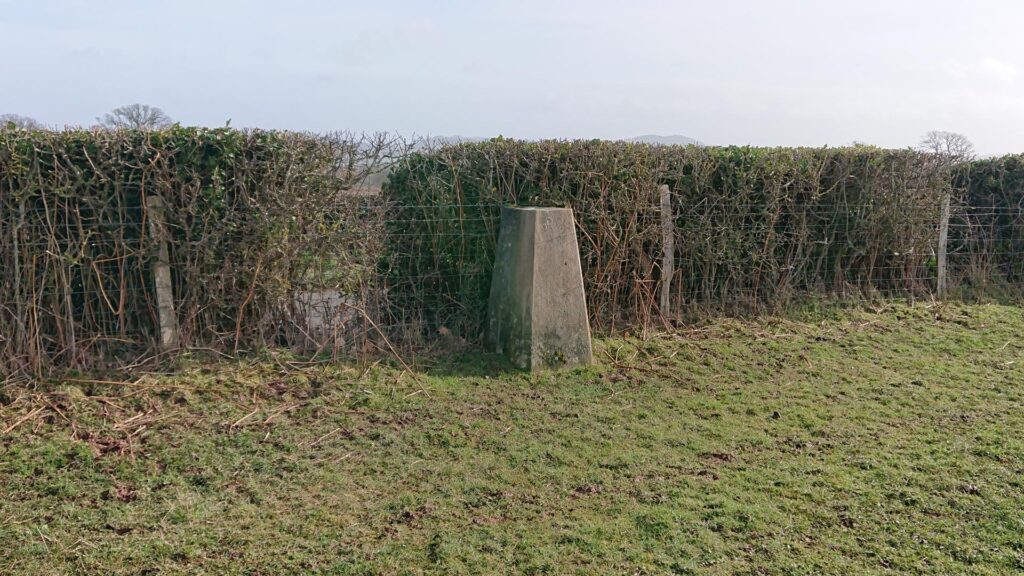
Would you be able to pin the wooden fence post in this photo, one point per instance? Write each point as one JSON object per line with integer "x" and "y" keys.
{"x": 940, "y": 283}
{"x": 668, "y": 231}
{"x": 166, "y": 318}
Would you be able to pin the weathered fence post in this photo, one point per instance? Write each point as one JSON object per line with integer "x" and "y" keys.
{"x": 940, "y": 282}
{"x": 166, "y": 318}
{"x": 668, "y": 233}
{"x": 538, "y": 310}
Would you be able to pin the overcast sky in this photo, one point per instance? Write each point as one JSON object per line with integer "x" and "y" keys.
{"x": 797, "y": 72}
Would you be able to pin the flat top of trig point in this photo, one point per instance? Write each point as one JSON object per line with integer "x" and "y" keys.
{"x": 534, "y": 208}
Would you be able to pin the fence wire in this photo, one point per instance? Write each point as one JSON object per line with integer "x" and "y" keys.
{"x": 81, "y": 293}
{"x": 273, "y": 239}
{"x": 370, "y": 284}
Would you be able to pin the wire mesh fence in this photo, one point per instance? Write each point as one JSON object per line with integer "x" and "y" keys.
{"x": 279, "y": 244}
{"x": 358, "y": 294}
{"x": 396, "y": 298}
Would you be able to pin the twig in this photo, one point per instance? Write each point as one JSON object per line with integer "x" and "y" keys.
{"x": 386, "y": 341}
{"x": 132, "y": 419}
{"x": 324, "y": 437}
{"x": 238, "y": 422}
{"x": 281, "y": 411}
{"x": 137, "y": 383}
{"x": 24, "y": 419}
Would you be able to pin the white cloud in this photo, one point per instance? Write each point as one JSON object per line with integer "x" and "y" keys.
{"x": 987, "y": 68}
{"x": 999, "y": 69}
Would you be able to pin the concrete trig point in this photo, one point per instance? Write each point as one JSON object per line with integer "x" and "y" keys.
{"x": 538, "y": 310}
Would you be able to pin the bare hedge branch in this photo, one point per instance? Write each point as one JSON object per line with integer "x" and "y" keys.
{"x": 279, "y": 238}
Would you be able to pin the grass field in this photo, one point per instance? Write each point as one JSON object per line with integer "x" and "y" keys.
{"x": 886, "y": 441}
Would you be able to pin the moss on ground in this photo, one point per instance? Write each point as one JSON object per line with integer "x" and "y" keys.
{"x": 888, "y": 441}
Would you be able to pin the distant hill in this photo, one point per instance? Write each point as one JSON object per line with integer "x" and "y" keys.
{"x": 673, "y": 140}
{"x": 423, "y": 142}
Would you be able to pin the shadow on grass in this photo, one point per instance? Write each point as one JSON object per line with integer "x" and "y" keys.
{"x": 470, "y": 362}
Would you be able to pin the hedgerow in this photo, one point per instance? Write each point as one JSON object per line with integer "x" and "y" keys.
{"x": 250, "y": 215}
{"x": 261, "y": 226}
{"x": 753, "y": 226}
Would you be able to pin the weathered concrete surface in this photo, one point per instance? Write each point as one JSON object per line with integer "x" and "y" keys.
{"x": 538, "y": 310}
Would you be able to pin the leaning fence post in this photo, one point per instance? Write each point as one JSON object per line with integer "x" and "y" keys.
{"x": 940, "y": 283}
{"x": 668, "y": 241}
{"x": 166, "y": 318}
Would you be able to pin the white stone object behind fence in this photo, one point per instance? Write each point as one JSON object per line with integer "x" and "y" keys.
{"x": 538, "y": 310}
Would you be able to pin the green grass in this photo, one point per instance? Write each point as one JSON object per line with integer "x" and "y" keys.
{"x": 870, "y": 442}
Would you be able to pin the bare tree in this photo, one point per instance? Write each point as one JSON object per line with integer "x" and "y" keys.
{"x": 947, "y": 150}
{"x": 135, "y": 117}
{"x": 949, "y": 146}
{"x": 20, "y": 121}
